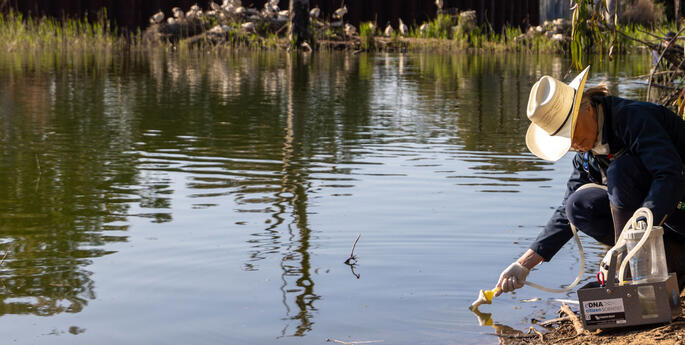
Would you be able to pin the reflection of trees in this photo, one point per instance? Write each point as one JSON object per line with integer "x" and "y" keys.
{"x": 295, "y": 263}
{"x": 58, "y": 189}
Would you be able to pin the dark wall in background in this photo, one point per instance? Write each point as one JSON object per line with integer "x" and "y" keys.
{"x": 132, "y": 14}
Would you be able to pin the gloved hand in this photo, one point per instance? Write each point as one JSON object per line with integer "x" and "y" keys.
{"x": 512, "y": 278}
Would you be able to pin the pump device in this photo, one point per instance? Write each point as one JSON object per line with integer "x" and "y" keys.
{"x": 650, "y": 296}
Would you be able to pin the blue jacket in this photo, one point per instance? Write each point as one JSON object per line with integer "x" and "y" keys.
{"x": 648, "y": 131}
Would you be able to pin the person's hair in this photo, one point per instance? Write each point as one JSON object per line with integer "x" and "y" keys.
{"x": 595, "y": 94}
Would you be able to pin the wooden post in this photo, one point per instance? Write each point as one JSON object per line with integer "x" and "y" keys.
{"x": 299, "y": 22}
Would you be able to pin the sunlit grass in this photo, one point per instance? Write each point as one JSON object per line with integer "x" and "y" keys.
{"x": 22, "y": 34}
{"x": 367, "y": 36}
{"x": 26, "y": 34}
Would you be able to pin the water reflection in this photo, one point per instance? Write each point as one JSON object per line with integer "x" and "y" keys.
{"x": 89, "y": 149}
{"x": 59, "y": 181}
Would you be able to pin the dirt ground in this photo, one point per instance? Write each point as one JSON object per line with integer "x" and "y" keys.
{"x": 565, "y": 333}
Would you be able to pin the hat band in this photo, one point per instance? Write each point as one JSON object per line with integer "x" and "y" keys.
{"x": 567, "y": 116}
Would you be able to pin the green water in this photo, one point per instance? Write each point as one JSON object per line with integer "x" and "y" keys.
{"x": 174, "y": 199}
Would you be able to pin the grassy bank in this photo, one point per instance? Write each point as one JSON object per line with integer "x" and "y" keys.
{"x": 19, "y": 34}
{"x": 25, "y": 34}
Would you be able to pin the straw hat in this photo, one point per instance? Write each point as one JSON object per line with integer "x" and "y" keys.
{"x": 553, "y": 109}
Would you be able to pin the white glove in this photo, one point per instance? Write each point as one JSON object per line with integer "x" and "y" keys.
{"x": 512, "y": 278}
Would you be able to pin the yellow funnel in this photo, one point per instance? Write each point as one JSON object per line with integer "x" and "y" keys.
{"x": 484, "y": 297}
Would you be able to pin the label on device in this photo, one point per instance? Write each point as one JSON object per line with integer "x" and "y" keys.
{"x": 604, "y": 311}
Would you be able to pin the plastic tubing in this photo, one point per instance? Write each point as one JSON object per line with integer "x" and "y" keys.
{"x": 580, "y": 250}
{"x": 580, "y": 273}
{"x": 643, "y": 211}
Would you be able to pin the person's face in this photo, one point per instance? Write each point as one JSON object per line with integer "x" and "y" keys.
{"x": 585, "y": 133}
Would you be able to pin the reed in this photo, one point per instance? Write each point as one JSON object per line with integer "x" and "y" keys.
{"x": 441, "y": 27}
{"x": 25, "y": 34}
{"x": 367, "y": 36}
{"x": 73, "y": 36}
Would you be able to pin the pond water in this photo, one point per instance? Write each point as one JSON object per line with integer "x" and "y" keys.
{"x": 174, "y": 199}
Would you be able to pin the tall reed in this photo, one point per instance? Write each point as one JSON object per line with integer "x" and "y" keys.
{"x": 26, "y": 34}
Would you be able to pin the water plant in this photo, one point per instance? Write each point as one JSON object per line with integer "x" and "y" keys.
{"x": 26, "y": 34}
{"x": 367, "y": 36}
{"x": 440, "y": 27}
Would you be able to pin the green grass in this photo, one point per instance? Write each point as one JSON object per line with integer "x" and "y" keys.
{"x": 367, "y": 35}
{"x": 25, "y": 34}
{"x": 20, "y": 34}
{"x": 441, "y": 27}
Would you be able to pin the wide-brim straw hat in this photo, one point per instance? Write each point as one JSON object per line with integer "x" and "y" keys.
{"x": 553, "y": 111}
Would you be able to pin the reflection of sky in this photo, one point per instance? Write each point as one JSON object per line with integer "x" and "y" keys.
{"x": 230, "y": 190}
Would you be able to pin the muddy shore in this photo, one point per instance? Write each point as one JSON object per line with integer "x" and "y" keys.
{"x": 564, "y": 332}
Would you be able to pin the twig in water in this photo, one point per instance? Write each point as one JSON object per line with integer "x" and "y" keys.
{"x": 338, "y": 341}
{"x": 352, "y": 259}
{"x": 357, "y": 275}
{"x": 40, "y": 172}
{"x": 3, "y": 258}
{"x": 353, "y": 342}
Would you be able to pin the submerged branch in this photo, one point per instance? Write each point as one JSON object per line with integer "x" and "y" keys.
{"x": 351, "y": 260}
{"x": 4, "y": 256}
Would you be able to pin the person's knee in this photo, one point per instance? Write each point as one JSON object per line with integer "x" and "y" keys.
{"x": 628, "y": 182}
{"x": 585, "y": 204}
{"x": 588, "y": 209}
{"x": 575, "y": 208}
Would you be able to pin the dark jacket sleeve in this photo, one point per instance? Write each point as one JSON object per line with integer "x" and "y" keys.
{"x": 557, "y": 231}
{"x": 645, "y": 136}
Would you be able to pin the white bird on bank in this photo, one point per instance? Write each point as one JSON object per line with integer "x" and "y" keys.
{"x": 267, "y": 12}
{"x": 404, "y": 30}
{"x": 439, "y": 4}
{"x": 194, "y": 12}
{"x": 249, "y": 26}
{"x": 315, "y": 12}
{"x": 341, "y": 12}
{"x": 273, "y": 6}
{"x": 388, "y": 30}
{"x": 350, "y": 30}
{"x": 423, "y": 28}
{"x": 219, "y": 30}
{"x": 157, "y": 18}
{"x": 178, "y": 13}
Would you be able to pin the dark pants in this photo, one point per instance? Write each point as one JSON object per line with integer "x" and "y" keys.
{"x": 590, "y": 210}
